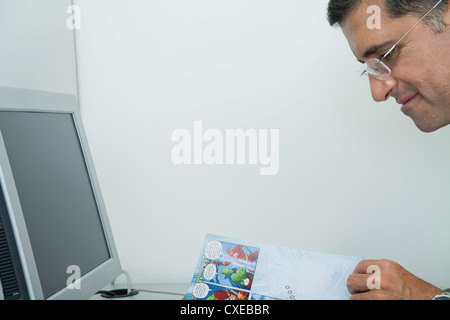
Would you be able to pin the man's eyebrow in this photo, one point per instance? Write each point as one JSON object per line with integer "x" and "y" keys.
{"x": 376, "y": 49}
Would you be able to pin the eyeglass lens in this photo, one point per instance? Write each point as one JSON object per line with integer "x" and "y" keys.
{"x": 378, "y": 69}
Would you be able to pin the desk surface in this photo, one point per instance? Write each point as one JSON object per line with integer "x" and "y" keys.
{"x": 159, "y": 291}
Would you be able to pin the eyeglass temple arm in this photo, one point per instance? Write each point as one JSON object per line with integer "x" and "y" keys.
{"x": 390, "y": 50}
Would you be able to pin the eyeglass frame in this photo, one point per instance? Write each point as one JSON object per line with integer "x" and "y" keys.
{"x": 380, "y": 61}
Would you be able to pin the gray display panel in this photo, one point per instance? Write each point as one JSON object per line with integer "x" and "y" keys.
{"x": 56, "y": 195}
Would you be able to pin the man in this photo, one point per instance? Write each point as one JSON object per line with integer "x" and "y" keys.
{"x": 406, "y": 57}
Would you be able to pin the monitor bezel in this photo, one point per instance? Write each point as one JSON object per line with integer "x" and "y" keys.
{"x": 25, "y": 100}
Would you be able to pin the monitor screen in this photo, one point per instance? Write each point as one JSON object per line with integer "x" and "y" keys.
{"x": 58, "y": 201}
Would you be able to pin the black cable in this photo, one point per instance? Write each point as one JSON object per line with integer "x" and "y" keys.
{"x": 117, "y": 293}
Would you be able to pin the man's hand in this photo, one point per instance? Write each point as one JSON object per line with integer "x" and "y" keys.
{"x": 395, "y": 283}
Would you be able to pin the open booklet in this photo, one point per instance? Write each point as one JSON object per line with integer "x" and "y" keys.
{"x": 234, "y": 269}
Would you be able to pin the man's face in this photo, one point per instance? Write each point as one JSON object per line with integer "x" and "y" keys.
{"x": 420, "y": 64}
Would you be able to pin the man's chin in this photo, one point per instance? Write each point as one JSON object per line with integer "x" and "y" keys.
{"x": 427, "y": 127}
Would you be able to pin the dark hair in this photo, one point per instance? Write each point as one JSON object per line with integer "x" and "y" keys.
{"x": 338, "y": 9}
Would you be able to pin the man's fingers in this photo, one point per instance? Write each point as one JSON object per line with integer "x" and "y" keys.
{"x": 360, "y": 296}
{"x": 364, "y": 265}
{"x": 369, "y": 295}
{"x": 357, "y": 283}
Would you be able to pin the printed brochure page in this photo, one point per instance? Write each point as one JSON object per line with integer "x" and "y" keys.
{"x": 232, "y": 269}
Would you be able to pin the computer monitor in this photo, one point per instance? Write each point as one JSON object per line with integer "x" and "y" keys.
{"x": 55, "y": 239}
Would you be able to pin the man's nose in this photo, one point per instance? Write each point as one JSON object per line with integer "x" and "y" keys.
{"x": 382, "y": 89}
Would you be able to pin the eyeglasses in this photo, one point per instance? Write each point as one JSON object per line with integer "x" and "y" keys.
{"x": 376, "y": 67}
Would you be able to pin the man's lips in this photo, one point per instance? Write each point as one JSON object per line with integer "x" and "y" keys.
{"x": 407, "y": 101}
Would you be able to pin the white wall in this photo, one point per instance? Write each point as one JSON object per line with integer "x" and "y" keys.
{"x": 355, "y": 177}
{"x": 36, "y": 47}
